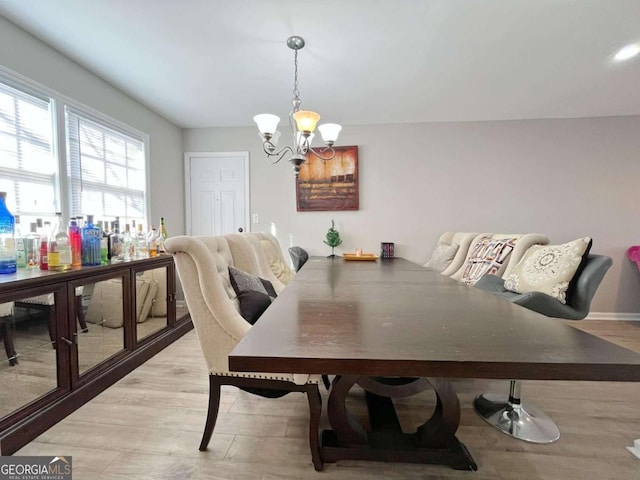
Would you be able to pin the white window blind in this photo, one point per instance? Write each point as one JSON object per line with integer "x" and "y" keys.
{"x": 106, "y": 168}
{"x": 28, "y": 167}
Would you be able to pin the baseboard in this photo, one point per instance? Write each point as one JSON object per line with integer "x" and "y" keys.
{"x": 625, "y": 317}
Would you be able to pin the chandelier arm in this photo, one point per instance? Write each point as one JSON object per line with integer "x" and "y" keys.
{"x": 318, "y": 152}
{"x": 269, "y": 149}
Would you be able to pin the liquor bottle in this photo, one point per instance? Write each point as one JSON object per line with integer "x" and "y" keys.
{"x": 91, "y": 237}
{"x": 162, "y": 235}
{"x": 44, "y": 240}
{"x": 7, "y": 240}
{"x": 152, "y": 242}
{"x": 21, "y": 254}
{"x": 104, "y": 243}
{"x": 32, "y": 246}
{"x": 142, "y": 251}
{"x": 75, "y": 239}
{"x": 116, "y": 242}
{"x": 59, "y": 247}
{"x": 128, "y": 243}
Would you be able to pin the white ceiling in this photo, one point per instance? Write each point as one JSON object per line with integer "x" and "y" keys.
{"x": 204, "y": 63}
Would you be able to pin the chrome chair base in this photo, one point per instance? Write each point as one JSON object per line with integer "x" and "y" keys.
{"x": 524, "y": 422}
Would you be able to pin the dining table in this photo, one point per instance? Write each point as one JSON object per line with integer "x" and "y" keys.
{"x": 395, "y": 329}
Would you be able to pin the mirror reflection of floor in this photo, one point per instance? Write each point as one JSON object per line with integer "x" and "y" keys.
{"x": 35, "y": 372}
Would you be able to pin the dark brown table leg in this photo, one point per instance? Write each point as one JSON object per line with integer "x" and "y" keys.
{"x": 433, "y": 442}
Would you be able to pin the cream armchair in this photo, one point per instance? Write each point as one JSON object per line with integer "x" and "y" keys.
{"x": 203, "y": 264}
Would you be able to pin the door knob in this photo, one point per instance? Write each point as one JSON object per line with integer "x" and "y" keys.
{"x": 241, "y": 229}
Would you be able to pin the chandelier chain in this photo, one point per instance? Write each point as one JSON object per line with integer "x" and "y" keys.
{"x": 296, "y": 92}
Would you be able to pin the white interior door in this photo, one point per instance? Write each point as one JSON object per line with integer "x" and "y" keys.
{"x": 217, "y": 190}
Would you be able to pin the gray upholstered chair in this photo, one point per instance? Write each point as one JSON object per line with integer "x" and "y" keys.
{"x": 299, "y": 257}
{"x": 203, "y": 264}
{"x": 510, "y": 415}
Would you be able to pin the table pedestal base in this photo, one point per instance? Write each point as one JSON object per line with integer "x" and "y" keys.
{"x": 434, "y": 442}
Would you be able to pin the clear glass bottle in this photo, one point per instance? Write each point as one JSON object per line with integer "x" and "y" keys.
{"x": 116, "y": 242}
{"x": 21, "y": 253}
{"x": 128, "y": 243}
{"x": 91, "y": 238}
{"x": 142, "y": 251}
{"x": 75, "y": 239}
{"x": 32, "y": 246}
{"x": 152, "y": 242}
{"x": 162, "y": 235}
{"x": 43, "y": 230}
{"x": 59, "y": 247}
{"x": 8, "y": 257}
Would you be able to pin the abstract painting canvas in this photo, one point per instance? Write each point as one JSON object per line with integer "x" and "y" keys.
{"x": 329, "y": 185}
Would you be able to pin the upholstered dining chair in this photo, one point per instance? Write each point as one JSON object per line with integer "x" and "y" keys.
{"x": 202, "y": 264}
{"x": 459, "y": 242}
{"x": 277, "y": 262}
{"x": 299, "y": 257}
{"x": 510, "y": 415}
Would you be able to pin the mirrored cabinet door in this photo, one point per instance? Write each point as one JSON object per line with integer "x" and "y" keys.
{"x": 151, "y": 302}
{"x": 29, "y": 358}
{"x": 100, "y": 312}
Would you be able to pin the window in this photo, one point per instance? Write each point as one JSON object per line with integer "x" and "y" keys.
{"x": 106, "y": 170}
{"x": 82, "y": 163}
{"x": 28, "y": 166}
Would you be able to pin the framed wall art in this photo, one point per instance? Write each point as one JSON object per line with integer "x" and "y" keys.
{"x": 329, "y": 185}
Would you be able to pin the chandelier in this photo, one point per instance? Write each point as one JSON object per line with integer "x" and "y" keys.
{"x": 302, "y": 122}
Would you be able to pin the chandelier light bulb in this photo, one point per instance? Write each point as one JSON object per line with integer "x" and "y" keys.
{"x": 329, "y": 132}
{"x": 306, "y": 120}
{"x": 267, "y": 123}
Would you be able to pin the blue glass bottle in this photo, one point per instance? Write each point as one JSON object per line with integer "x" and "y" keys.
{"x": 8, "y": 257}
{"x": 91, "y": 236}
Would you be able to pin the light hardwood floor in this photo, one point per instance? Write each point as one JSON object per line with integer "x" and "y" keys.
{"x": 148, "y": 426}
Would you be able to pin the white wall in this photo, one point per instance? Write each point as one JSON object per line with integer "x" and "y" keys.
{"x": 28, "y": 56}
{"x": 562, "y": 178}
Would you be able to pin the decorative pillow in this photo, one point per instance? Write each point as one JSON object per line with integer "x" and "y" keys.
{"x": 548, "y": 268}
{"x": 442, "y": 257}
{"x": 487, "y": 256}
{"x": 255, "y": 294}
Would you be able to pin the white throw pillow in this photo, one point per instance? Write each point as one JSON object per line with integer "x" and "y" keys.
{"x": 548, "y": 268}
{"x": 442, "y": 257}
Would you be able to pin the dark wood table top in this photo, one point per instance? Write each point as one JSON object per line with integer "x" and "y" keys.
{"x": 395, "y": 318}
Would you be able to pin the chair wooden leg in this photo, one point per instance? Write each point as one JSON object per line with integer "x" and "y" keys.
{"x": 315, "y": 410}
{"x": 212, "y": 413}
{"x": 52, "y": 325}
{"x": 326, "y": 381}
{"x": 80, "y": 314}
{"x": 7, "y": 337}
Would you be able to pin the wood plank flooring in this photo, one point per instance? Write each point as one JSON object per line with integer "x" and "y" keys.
{"x": 149, "y": 425}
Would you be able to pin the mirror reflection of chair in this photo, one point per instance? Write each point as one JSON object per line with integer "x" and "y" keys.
{"x": 299, "y": 257}
{"x": 6, "y": 315}
{"x": 510, "y": 415}
{"x": 46, "y": 303}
